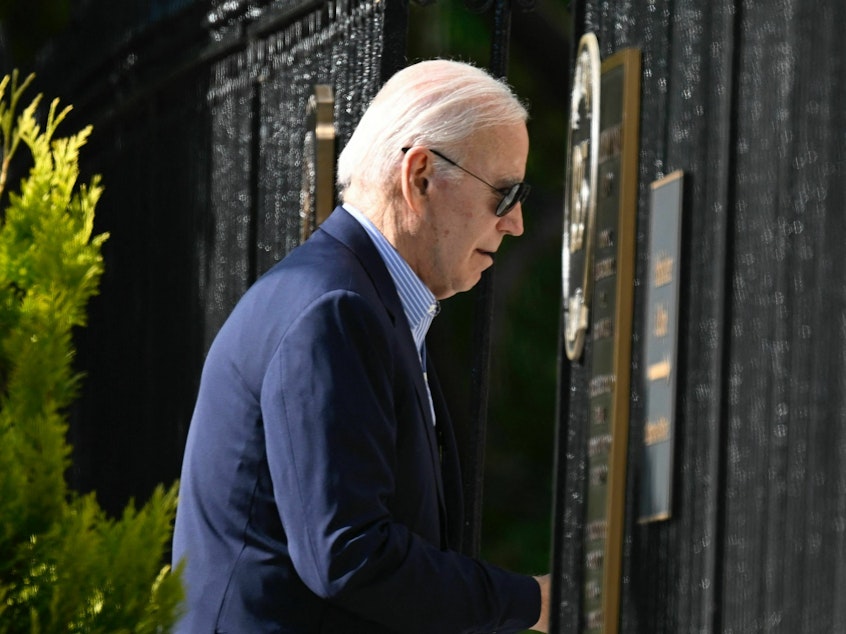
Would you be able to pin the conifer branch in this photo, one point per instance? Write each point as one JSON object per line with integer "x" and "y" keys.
{"x": 64, "y": 565}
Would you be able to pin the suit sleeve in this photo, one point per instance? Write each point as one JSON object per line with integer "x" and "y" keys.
{"x": 331, "y": 435}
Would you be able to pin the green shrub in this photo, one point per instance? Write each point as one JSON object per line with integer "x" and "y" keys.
{"x": 64, "y": 565}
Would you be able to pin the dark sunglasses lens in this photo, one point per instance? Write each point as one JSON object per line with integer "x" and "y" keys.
{"x": 517, "y": 194}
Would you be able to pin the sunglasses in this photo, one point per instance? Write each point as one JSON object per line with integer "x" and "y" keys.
{"x": 512, "y": 195}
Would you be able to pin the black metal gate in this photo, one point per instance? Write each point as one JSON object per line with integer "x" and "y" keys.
{"x": 745, "y": 97}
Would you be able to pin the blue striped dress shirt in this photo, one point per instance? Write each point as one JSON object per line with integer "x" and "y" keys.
{"x": 418, "y": 302}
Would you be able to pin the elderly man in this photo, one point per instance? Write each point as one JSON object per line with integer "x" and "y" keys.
{"x": 320, "y": 489}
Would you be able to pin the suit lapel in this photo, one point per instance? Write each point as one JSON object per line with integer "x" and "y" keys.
{"x": 453, "y": 522}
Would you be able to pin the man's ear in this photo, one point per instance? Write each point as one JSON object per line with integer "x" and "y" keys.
{"x": 416, "y": 172}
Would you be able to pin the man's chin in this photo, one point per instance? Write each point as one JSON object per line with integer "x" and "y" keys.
{"x": 471, "y": 284}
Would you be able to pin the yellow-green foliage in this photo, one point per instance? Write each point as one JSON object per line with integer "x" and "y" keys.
{"x": 64, "y": 566}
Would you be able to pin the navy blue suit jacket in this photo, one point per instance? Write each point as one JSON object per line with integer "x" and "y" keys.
{"x": 316, "y": 495}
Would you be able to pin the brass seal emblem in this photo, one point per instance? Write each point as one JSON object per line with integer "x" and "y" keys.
{"x": 580, "y": 196}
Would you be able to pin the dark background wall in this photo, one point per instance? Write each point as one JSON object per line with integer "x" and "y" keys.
{"x": 746, "y": 97}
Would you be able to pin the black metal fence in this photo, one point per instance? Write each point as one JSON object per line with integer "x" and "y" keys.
{"x": 199, "y": 118}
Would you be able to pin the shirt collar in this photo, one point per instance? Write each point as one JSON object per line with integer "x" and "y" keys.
{"x": 418, "y": 302}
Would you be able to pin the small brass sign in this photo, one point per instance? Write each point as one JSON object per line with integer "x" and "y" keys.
{"x": 660, "y": 348}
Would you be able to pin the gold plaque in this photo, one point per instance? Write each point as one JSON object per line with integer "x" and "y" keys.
{"x": 610, "y": 330}
{"x": 317, "y": 188}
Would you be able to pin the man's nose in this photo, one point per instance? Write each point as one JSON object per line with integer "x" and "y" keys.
{"x": 512, "y": 222}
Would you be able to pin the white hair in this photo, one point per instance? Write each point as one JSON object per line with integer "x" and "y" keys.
{"x": 436, "y": 103}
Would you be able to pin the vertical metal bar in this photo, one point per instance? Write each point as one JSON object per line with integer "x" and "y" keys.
{"x": 480, "y": 371}
{"x": 500, "y": 40}
{"x": 395, "y": 42}
{"x": 255, "y": 178}
{"x": 712, "y": 608}
{"x": 565, "y": 598}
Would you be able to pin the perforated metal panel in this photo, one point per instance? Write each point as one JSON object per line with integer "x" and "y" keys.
{"x": 745, "y": 97}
